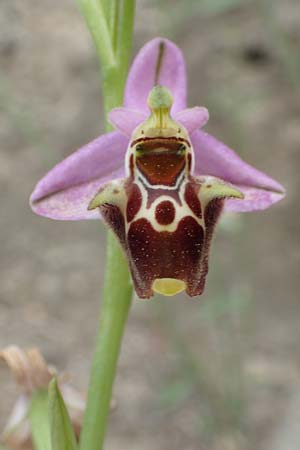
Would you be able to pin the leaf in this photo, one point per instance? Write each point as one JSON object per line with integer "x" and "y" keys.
{"x": 39, "y": 420}
{"x": 61, "y": 431}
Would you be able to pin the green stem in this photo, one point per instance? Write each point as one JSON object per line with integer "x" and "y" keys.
{"x": 93, "y": 12}
{"x": 115, "y": 307}
{"x": 124, "y": 39}
{"x": 117, "y": 285}
{"x": 114, "y": 76}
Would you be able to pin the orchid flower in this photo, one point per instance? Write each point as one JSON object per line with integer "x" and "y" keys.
{"x": 158, "y": 181}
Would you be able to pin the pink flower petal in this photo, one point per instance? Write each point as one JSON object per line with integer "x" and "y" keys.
{"x": 65, "y": 192}
{"x": 192, "y": 118}
{"x": 255, "y": 200}
{"x": 212, "y": 157}
{"x": 158, "y": 62}
{"x": 126, "y": 120}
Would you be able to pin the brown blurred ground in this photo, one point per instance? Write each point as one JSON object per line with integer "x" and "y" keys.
{"x": 218, "y": 373}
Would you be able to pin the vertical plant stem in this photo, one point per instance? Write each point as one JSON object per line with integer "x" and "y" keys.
{"x": 115, "y": 307}
{"x": 117, "y": 292}
{"x": 124, "y": 37}
{"x": 93, "y": 12}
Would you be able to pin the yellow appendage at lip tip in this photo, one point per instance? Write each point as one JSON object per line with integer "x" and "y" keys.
{"x": 168, "y": 286}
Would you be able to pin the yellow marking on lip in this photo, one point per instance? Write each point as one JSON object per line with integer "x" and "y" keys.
{"x": 168, "y": 286}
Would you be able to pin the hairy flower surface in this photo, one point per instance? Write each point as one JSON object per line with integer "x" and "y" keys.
{"x": 159, "y": 181}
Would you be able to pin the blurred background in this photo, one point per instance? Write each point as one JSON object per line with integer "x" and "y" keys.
{"x": 218, "y": 372}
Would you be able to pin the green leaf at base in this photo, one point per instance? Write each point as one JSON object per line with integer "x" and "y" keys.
{"x": 61, "y": 431}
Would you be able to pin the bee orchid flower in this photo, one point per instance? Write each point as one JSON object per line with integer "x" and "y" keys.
{"x": 158, "y": 181}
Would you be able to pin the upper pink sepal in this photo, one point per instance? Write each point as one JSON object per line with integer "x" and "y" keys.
{"x": 158, "y": 62}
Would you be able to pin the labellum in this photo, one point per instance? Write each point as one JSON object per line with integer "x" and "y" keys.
{"x": 163, "y": 216}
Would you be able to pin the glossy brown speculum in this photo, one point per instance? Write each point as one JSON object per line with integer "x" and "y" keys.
{"x": 161, "y": 160}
